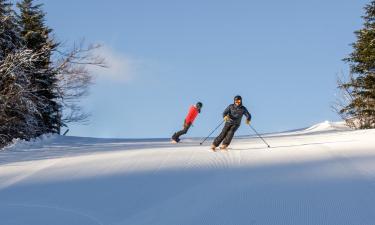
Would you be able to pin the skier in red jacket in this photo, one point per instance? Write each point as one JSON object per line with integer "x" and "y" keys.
{"x": 193, "y": 113}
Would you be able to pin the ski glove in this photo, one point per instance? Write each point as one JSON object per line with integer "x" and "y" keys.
{"x": 248, "y": 122}
{"x": 226, "y": 118}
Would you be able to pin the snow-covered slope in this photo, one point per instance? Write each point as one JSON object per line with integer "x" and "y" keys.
{"x": 322, "y": 175}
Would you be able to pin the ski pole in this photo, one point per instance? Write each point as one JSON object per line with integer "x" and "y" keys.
{"x": 66, "y": 132}
{"x": 211, "y": 133}
{"x": 260, "y": 136}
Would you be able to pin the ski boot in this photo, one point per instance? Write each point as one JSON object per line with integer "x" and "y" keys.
{"x": 175, "y": 141}
{"x": 224, "y": 147}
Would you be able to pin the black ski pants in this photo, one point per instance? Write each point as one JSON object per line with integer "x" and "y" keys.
{"x": 176, "y": 136}
{"x": 226, "y": 134}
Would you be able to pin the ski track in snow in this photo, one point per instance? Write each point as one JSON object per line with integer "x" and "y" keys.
{"x": 321, "y": 175}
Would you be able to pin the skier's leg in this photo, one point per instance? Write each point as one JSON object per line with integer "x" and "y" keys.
{"x": 222, "y": 135}
{"x": 176, "y": 136}
{"x": 228, "y": 138}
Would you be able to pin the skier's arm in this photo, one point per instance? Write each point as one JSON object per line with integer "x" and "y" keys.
{"x": 226, "y": 111}
{"x": 248, "y": 115}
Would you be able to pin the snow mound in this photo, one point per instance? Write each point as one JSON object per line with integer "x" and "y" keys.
{"x": 20, "y": 144}
{"x": 328, "y": 126}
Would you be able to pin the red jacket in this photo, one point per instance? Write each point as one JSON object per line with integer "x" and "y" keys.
{"x": 193, "y": 113}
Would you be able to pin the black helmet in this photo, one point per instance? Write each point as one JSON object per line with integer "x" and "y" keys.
{"x": 237, "y": 97}
{"x": 199, "y": 106}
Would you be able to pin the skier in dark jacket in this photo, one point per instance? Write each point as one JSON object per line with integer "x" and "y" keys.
{"x": 193, "y": 113}
{"x": 232, "y": 117}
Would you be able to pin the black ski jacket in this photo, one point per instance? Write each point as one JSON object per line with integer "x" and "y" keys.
{"x": 235, "y": 113}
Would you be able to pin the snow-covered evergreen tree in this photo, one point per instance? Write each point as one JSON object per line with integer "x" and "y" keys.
{"x": 360, "y": 110}
{"x": 37, "y": 37}
{"x": 19, "y": 107}
{"x": 9, "y": 31}
{"x": 36, "y": 86}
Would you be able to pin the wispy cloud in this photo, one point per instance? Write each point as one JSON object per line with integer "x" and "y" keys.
{"x": 120, "y": 66}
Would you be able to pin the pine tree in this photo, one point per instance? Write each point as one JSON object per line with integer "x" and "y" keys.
{"x": 360, "y": 112}
{"x": 9, "y": 32}
{"x": 37, "y": 37}
{"x": 34, "y": 88}
{"x": 10, "y": 44}
{"x": 19, "y": 107}
{"x": 17, "y": 111}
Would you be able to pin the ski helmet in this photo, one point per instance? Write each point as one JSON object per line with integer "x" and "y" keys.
{"x": 238, "y": 97}
{"x": 199, "y": 106}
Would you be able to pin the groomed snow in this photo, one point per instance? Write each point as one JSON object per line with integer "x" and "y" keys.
{"x": 322, "y": 175}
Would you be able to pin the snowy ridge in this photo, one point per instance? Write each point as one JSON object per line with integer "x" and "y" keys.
{"x": 323, "y": 127}
{"x": 329, "y": 126}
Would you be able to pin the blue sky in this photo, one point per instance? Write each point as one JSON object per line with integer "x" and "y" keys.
{"x": 281, "y": 56}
